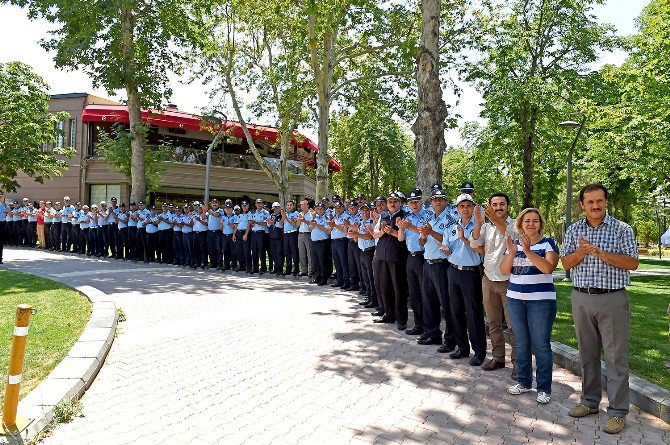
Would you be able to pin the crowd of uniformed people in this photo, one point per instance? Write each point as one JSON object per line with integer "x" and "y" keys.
{"x": 450, "y": 262}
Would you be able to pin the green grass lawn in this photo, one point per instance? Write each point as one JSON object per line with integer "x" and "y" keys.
{"x": 61, "y": 317}
{"x": 645, "y": 264}
{"x": 649, "y": 347}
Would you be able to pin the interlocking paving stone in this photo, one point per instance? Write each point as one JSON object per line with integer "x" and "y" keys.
{"x": 213, "y": 358}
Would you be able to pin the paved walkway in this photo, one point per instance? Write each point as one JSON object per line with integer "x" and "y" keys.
{"x": 212, "y": 358}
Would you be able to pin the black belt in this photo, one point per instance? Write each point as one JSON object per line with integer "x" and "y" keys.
{"x": 368, "y": 249}
{"x": 437, "y": 261}
{"x": 227, "y": 234}
{"x": 420, "y": 252}
{"x": 470, "y": 268}
{"x": 596, "y": 290}
{"x": 213, "y": 231}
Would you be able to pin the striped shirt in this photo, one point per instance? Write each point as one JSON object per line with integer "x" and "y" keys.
{"x": 527, "y": 282}
{"x": 611, "y": 236}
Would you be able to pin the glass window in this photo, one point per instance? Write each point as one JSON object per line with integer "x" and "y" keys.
{"x": 60, "y": 136}
{"x": 104, "y": 192}
{"x": 73, "y": 133}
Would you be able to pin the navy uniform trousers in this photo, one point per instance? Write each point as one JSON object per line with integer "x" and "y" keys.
{"x": 179, "y": 256}
{"x": 320, "y": 249}
{"x": 214, "y": 247}
{"x": 436, "y": 301}
{"x": 339, "y": 251}
{"x": 258, "y": 251}
{"x": 200, "y": 249}
{"x": 467, "y": 309}
{"x": 354, "y": 263}
{"x": 227, "y": 250}
{"x": 291, "y": 252}
{"x": 367, "y": 276}
{"x": 414, "y": 270}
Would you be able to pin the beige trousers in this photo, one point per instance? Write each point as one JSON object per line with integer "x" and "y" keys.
{"x": 495, "y": 305}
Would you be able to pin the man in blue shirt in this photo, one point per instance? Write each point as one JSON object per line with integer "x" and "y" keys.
{"x": 131, "y": 248}
{"x": 276, "y": 233}
{"x": 200, "y": 233}
{"x": 66, "y": 240}
{"x": 164, "y": 236}
{"x": 227, "y": 228}
{"x": 465, "y": 290}
{"x": 319, "y": 234}
{"x": 304, "y": 240}
{"x": 362, "y": 230}
{"x": 121, "y": 218}
{"x": 243, "y": 239}
{"x": 434, "y": 279}
{"x": 339, "y": 245}
{"x": 409, "y": 232}
{"x": 354, "y": 254}
{"x": 187, "y": 236}
{"x": 290, "y": 217}
{"x": 176, "y": 223}
{"x": 214, "y": 214}
{"x": 151, "y": 227}
{"x": 258, "y": 225}
{"x": 113, "y": 228}
{"x": 75, "y": 229}
{"x": 142, "y": 215}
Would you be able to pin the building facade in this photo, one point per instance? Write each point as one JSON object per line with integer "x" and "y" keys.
{"x": 235, "y": 172}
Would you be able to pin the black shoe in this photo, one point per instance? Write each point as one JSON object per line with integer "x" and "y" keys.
{"x": 323, "y": 283}
{"x": 370, "y": 305}
{"x": 314, "y": 282}
{"x": 429, "y": 341}
{"x": 362, "y": 292}
{"x": 364, "y": 302}
{"x": 378, "y": 314}
{"x": 414, "y": 331}
{"x": 445, "y": 347}
{"x": 458, "y": 354}
{"x": 336, "y": 285}
{"x": 478, "y": 359}
{"x": 402, "y": 327}
{"x": 385, "y": 319}
{"x": 346, "y": 288}
{"x": 354, "y": 289}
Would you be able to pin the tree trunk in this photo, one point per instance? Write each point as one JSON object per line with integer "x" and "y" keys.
{"x": 429, "y": 143}
{"x": 528, "y": 126}
{"x": 284, "y": 188}
{"x": 138, "y": 180}
{"x": 322, "y": 155}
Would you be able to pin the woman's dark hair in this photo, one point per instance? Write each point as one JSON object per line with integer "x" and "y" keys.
{"x": 591, "y": 188}
{"x": 499, "y": 195}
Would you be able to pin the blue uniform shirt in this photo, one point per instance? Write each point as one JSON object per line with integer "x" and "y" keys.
{"x": 432, "y": 246}
{"x": 412, "y": 238}
{"x": 186, "y": 218}
{"x": 142, "y": 217}
{"x": 243, "y": 221}
{"x": 339, "y": 220}
{"x": 288, "y": 227}
{"x": 92, "y": 220}
{"x": 213, "y": 221}
{"x": 83, "y": 220}
{"x": 132, "y": 222}
{"x": 461, "y": 255}
{"x": 32, "y": 215}
{"x": 165, "y": 225}
{"x": 175, "y": 220}
{"x": 198, "y": 226}
{"x": 65, "y": 211}
{"x": 123, "y": 220}
{"x": 317, "y": 233}
{"x": 227, "y": 222}
{"x": 151, "y": 223}
{"x": 363, "y": 229}
{"x": 102, "y": 218}
{"x": 260, "y": 217}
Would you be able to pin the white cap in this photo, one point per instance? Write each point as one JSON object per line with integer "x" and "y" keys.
{"x": 276, "y": 204}
{"x": 93, "y": 206}
{"x": 66, "y": 198}
{"x": 464, "y": 197}
{"x": 103, "y": 203}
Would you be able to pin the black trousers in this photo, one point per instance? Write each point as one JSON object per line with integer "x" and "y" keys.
{"x": 227, "y": 249}
{"x": 246, "y": 249}
{"x": 339, "y": 249}
{"x": 92, "y": 241}
{"x": 3, "y": 236}
{"x": 75, "y": 233}
{"x": 354, "y": 263}
{"x": 258, "y": 251}
{"x": 277, "y": 249}
{"x": 103, "y": 243}
{"x": 54, "y": 235}
{"x": 112, "y": 238}
{"x": 65, "y": 236}
{"x": 268, "y": 251}
{"x": 376, "y": 281}
{"x": 200, "y": 242}
{"x": 239, "y": 252}
{"x": 47, "y": 234}
{"x": 414, "y": 272}
{"x": 164, "y": 246}
{"x": 31, "y": 233}
{"x": 467, "y": 309}
{"x": 393, "y": 283}
{"x": 320, "y": 249}
{"x": 435, "y": 297}
{"x": 187, "y": 243}
{"x": 367, "y": 278}
{"x": 83, "y": 240}
{"x": 214, "y": 247}
{"x": 141, "y": 244}
{"x": 291, "y": 252}
{"x": 178, "y": 247}
{"x": 122, "y": 244}
{"x": 131, "y": 247}
{"x": 152, "y": 244}
{"x": 24, "y": 232}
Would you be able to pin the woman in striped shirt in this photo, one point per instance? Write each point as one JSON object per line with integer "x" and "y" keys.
{"x": 531, "y": 301}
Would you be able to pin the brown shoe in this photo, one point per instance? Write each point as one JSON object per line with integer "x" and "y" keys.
{"x": 515, "y": 374}
{"x": 581, "y": 411}
{"x": 614, "y": 425}
{"x": 492, "y": 365}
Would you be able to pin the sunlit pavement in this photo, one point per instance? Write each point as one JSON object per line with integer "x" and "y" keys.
{"x": 212, "y": 358}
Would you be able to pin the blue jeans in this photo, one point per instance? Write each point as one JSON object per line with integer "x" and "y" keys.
{"x": 532, "y": 321}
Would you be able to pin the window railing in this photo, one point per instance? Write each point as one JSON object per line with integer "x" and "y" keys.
{"x": 193, "y": 156}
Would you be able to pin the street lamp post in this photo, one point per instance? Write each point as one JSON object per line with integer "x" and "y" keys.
{"x": 214, "y": 143}
{"x": 568, "y": 198}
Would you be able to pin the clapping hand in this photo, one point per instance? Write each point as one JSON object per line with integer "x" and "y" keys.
{"x": 587, "y": 247}
{"x": 445, "y": 249}
{"x": 525, "y": 242}
{"x": 511, "y": 245}
{"x": 479, "y": 215}
{"x": 461, "y": 234}
{"x": 425, "y": 230}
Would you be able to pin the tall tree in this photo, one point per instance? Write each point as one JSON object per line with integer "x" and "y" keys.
{"x": 535, "y": 56}
{"x": 353, "y": 41}
{"x": 128, "y": 45}
{"x": 27, "y": 128}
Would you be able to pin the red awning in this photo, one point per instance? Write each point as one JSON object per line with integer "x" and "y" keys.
{"x": 187, "y": 121}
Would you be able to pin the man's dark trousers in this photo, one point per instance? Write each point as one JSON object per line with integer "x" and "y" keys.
{"x": 367, "y": 277}
{"x": 214, "y": 247}
{"x": 112, "y": 238}
{"x": 467, "y": 309}
{"x": 227, "y": 249}
{"x": 436, "y": 301}
{"x": 200, "y": 249}
{"x": 64, "y": 236}
{"x": 339, "y": 251}
{"x": 178, "y": 247}
{"x": 258, "y": 250}
{"x": 354, "y": 264}
{"x": 131, "y": 247}
{"x": 291, "y": 252}
{"x": 122, "y": 244}
{"x": 414, "y": 277}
